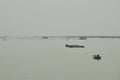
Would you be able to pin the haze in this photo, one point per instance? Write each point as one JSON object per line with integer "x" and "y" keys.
{"x": 50, "y": 59}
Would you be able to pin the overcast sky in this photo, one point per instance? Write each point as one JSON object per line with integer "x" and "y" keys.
{"x": 59, "y": 17}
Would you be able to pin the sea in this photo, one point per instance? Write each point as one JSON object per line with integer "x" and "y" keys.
{"x": 51, "y": 60}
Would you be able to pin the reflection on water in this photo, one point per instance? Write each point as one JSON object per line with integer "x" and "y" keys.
{"x": 51, "y": 60}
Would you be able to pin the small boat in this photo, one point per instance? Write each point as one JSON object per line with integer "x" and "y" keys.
{"x": 97, "y": 57}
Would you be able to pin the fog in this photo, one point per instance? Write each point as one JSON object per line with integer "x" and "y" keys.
{"x": 50, "y": 59}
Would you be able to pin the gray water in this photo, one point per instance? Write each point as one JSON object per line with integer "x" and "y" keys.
{"x": 51, "y": 60}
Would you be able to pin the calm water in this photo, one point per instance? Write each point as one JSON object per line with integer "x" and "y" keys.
{"x": 51, "y": 60}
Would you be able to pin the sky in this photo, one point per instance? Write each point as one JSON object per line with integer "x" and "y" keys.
{"x": 59, "y": 17}
{"x": 50, "y": 59}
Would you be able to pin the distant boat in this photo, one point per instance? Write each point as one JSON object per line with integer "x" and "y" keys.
{"x": 74, "y": 46}
{"x": 97, "y": 57}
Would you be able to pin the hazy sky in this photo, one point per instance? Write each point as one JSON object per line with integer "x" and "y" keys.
{"x": 59, "y": 17}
